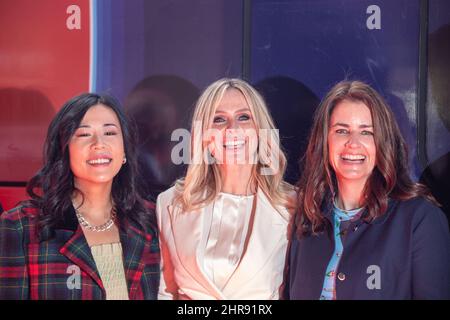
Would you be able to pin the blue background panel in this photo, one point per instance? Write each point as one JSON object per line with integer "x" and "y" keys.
{"x": 316, "y": 43}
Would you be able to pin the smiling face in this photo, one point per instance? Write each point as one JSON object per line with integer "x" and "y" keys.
{"x": 96, "y": 148}
{"x": 235, "y": 141}
{"x": 351, "y": 145}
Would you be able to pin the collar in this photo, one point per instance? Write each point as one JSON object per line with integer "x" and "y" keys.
{"x": 136, "y": 250}
{"x": 328, "y": 206}
{"x": 347, "y": 215}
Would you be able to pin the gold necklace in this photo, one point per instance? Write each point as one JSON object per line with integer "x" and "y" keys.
{"x": 103, "y": 227}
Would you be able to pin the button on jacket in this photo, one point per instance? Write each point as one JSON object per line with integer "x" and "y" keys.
{"x": 404, "y": 254}
{"x": 63, "y": 266}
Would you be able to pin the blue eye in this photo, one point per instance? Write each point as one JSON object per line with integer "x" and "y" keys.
{"x": 218, "y": 120}
{"x": 244, "y": 117}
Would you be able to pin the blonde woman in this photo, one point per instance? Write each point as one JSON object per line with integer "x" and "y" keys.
{"x": 224, "y": 226}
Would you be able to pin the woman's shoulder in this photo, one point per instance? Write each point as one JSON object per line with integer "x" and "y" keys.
{"x": 417, "y": 205}
{"x": 19, "y": 218}
{"x": 291, "y": 197}
{"x": 20, "y": 213}
{"x": 167, "y": 196}
{"x": 282, "y": 212}
{"x": 163, "y": 200}
{"x": 421, "y": 211}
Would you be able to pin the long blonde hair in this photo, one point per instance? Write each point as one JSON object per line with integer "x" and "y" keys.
{"x": 203, "y": 181}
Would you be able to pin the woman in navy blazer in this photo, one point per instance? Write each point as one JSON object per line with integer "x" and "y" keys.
{"x": 364, "y": 229}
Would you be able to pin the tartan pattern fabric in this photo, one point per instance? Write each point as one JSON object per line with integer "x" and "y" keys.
{"x": 63, "y": 267}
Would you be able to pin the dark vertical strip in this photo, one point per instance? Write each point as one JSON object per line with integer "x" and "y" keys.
{"x": 12, "y": 184}
{"x": 103, "y": 45}
{"x": 93, "y": 47}
{"x": 422, "y": 85}
{"x": 246, "y": 39}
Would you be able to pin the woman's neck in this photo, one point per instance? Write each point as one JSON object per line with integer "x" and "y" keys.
{"x": 94, "y": 201}
{"x": 237, "y": 179}
{"x": 350, "y": 195}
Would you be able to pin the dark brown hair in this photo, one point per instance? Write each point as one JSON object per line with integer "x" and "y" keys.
{"x": 389, "y": 179}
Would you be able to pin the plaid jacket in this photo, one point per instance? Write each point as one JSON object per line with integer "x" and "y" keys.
{"x": 63, "y": 267}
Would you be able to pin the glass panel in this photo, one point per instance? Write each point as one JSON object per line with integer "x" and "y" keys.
{"x": 300, "y": 48}
{"x": 437, "y": 174}
{"x": 156, "y": 57}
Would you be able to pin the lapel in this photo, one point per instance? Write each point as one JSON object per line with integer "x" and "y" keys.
{"x": 77, "y": 250}
{"x": 190, "y": 232}
{"x": 134, "y": 245}
{"x": 269, "y": 228}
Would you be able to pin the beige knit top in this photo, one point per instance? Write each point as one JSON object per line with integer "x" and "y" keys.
{"x": 108, "y": 258}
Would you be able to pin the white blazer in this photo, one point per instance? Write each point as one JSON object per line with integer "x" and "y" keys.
{"x": 182, "y": 238}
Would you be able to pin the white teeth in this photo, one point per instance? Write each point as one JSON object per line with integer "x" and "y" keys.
{"x": 353, "y": 157}
{"x": 99, "y": 161}
{"x": 234, "y": 143}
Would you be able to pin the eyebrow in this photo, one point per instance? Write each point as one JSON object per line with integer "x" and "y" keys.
{"x": 105, "y": 125}
{"x": 340, "y": 124}
{"x": 237, "y": 111}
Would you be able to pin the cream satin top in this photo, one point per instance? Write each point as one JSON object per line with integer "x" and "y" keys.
{"x": 227, "y": 236}
{"x": 109, "y": 261}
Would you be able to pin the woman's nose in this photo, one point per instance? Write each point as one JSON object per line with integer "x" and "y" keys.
{"x": 98, "y": 142}
{"x": 237, "y": 123}
{"x": 233, "y": 125}
{"x": 353, "y": 141}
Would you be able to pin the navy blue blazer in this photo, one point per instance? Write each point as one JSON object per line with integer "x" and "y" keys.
{"x": 404, "y": 254}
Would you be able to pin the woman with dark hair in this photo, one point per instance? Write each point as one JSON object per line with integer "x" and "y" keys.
{"x": 85, "y": 233}
{"x": 364, "y": 229}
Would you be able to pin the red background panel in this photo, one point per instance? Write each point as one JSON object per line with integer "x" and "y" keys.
{"x": 42, "y": 64}
{"x": 10, "y": 196}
